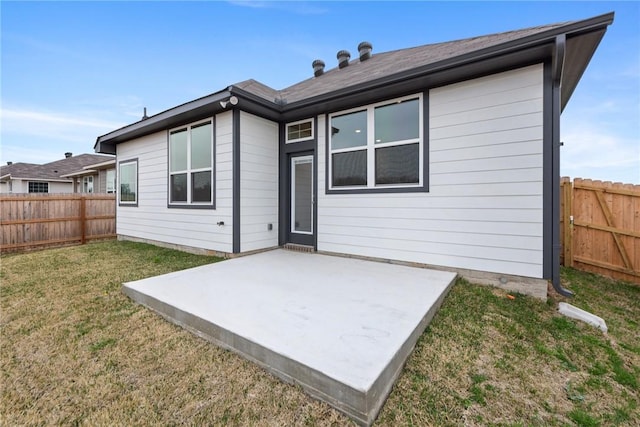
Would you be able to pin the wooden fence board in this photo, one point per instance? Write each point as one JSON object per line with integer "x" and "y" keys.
{"x": 604, "y": 236}
{"x": 30, "y": 221}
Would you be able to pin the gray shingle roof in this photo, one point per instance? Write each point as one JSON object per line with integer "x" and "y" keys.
{"x": 398, "y": 70}
{"x": 386, "y": 64}
{"x": 52, "y": 170}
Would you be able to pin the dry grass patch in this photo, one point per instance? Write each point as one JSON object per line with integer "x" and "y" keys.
{"x": 75, "y": 350}
{"x": 490, "y": 360}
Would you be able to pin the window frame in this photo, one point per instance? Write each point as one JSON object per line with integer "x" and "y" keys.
{"x": 87, "y": 184}
{"x": 110, "y": 189}
{"x": 190, "y": 204}
{"x": 119, "y": 183}
{"x": 39, "y": 184}
{"x": 306, "y": 138}
{"x": 371, "y": 146}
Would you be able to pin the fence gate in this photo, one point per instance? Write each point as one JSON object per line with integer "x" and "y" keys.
{"x": 600, "y": 227}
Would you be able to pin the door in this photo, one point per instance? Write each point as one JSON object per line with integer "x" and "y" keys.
{"x": 301, "y": 224}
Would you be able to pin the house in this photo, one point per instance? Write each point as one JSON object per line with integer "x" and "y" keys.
{"x": 95, "y": 178}
{"x": 440, "y": 155}
{"x": 85, "y": 173}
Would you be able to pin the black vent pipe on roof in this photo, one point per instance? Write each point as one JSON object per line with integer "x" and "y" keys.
{"x": 318, "y": 67}
{"x": 343, "y": 58}
{"x": 364, "y": 49}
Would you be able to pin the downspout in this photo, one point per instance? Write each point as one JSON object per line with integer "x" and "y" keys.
{"x": 557, "y": 69}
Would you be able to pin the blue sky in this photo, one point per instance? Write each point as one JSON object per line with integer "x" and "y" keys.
{"x": 72, "y": 71}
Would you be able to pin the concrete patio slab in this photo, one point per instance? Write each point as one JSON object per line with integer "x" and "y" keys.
{"x": 341, "y": 328}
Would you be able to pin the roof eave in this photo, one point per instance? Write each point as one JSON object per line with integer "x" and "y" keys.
{"x": 79, "y": 173}
{"x": 193, "y": 110}
{"x": 100, "y": 165}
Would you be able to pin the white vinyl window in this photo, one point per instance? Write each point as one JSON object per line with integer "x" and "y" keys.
{"x": 377, "y": 146}
{"x": 111, "y": 181}
{"x": 191, "y": 165}
{"x": 300, "y": 131}
{"x": 87, "y": 184}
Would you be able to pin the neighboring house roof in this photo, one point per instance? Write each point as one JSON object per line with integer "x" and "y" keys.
{"x": 570, "y": 44}
{"x": 92, "y": 168}
{"x": 53, "y": 171}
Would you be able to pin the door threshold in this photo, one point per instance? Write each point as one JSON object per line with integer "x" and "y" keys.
{"x": 298, "y": 248}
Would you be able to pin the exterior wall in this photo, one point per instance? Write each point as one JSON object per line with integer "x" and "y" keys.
{"x": 484, "y": 208}
{"x": 153, "y": 220}
{"x": 22, "y": 186}
{"x": 258, "y": 183}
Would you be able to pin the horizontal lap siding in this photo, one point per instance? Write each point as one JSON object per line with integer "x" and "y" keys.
{"x": 483, "y": 210}
{"x": 153, "y": 220}
{"x": 258, "y": 183}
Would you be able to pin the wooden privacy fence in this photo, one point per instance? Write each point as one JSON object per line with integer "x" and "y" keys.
{"x": 30, "y": 221}
{"x": 600, "y": 227}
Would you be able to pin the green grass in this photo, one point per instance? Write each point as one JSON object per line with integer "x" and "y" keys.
{"x": 75, "y": 350}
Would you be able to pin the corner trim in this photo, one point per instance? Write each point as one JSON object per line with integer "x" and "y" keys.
{"x": 235, "y": 141}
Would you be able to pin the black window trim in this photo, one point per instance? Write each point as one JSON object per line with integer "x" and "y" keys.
{"x": 192, "y": 205}
{"x": 118, "y": 183}
{"x": 39, "y": 184}
{"x": 395, "y": 188}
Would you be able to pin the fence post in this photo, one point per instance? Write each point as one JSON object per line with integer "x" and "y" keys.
{"x": 83, "y": 219}
{"x": 567, "y": 217}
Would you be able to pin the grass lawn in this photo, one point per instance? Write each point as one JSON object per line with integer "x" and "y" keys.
{"x": 75, "y": 350}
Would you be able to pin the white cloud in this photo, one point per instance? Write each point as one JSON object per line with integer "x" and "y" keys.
{"x": 300, "y": 8}
{"x": 26, "y": 119}
{"x": 593, "y": 153}
{"x": 36, "y": 136}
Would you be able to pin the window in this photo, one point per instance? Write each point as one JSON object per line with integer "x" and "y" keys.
{"x": 191, "y": 165}
{"x": 38, "y": 187}
{"x": 111, "y": 181}
{"x": 379, "y": 146}
{"x": 300, "y": 131}
{"x": 128, "y": 183}
{"x": 87, "y": 184}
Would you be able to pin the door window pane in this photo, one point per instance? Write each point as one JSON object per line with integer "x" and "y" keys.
{"x": 349, "y": 168}
{"x": 349, "y": 130}
{"x": 303, "y": 196}
{"x": 178, "y": 147}
{"x": 201, "y": 186}
{"x": 397, "y": 122}
{"x": 179, "y": 187}
{"x": 201, "y": 146}
{"x": 399, "y": 164}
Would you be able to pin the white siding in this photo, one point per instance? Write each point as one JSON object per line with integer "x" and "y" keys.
{"x": 22, "y": 186}
{"x": 484, "y": 207}
{"x": 153, "y": 220}
{"x": 258, "y": 183}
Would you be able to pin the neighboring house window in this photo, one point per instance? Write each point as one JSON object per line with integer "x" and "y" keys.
{"x": 87, "y": 184}
{"x": 38, "y": 187}
{"x": 191, "y": 165}
{"x": 300, "y": 131}
{"x": 111, "y": 181}
{"x": 128, "y": 183}
{"x": 378, "y": 146}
